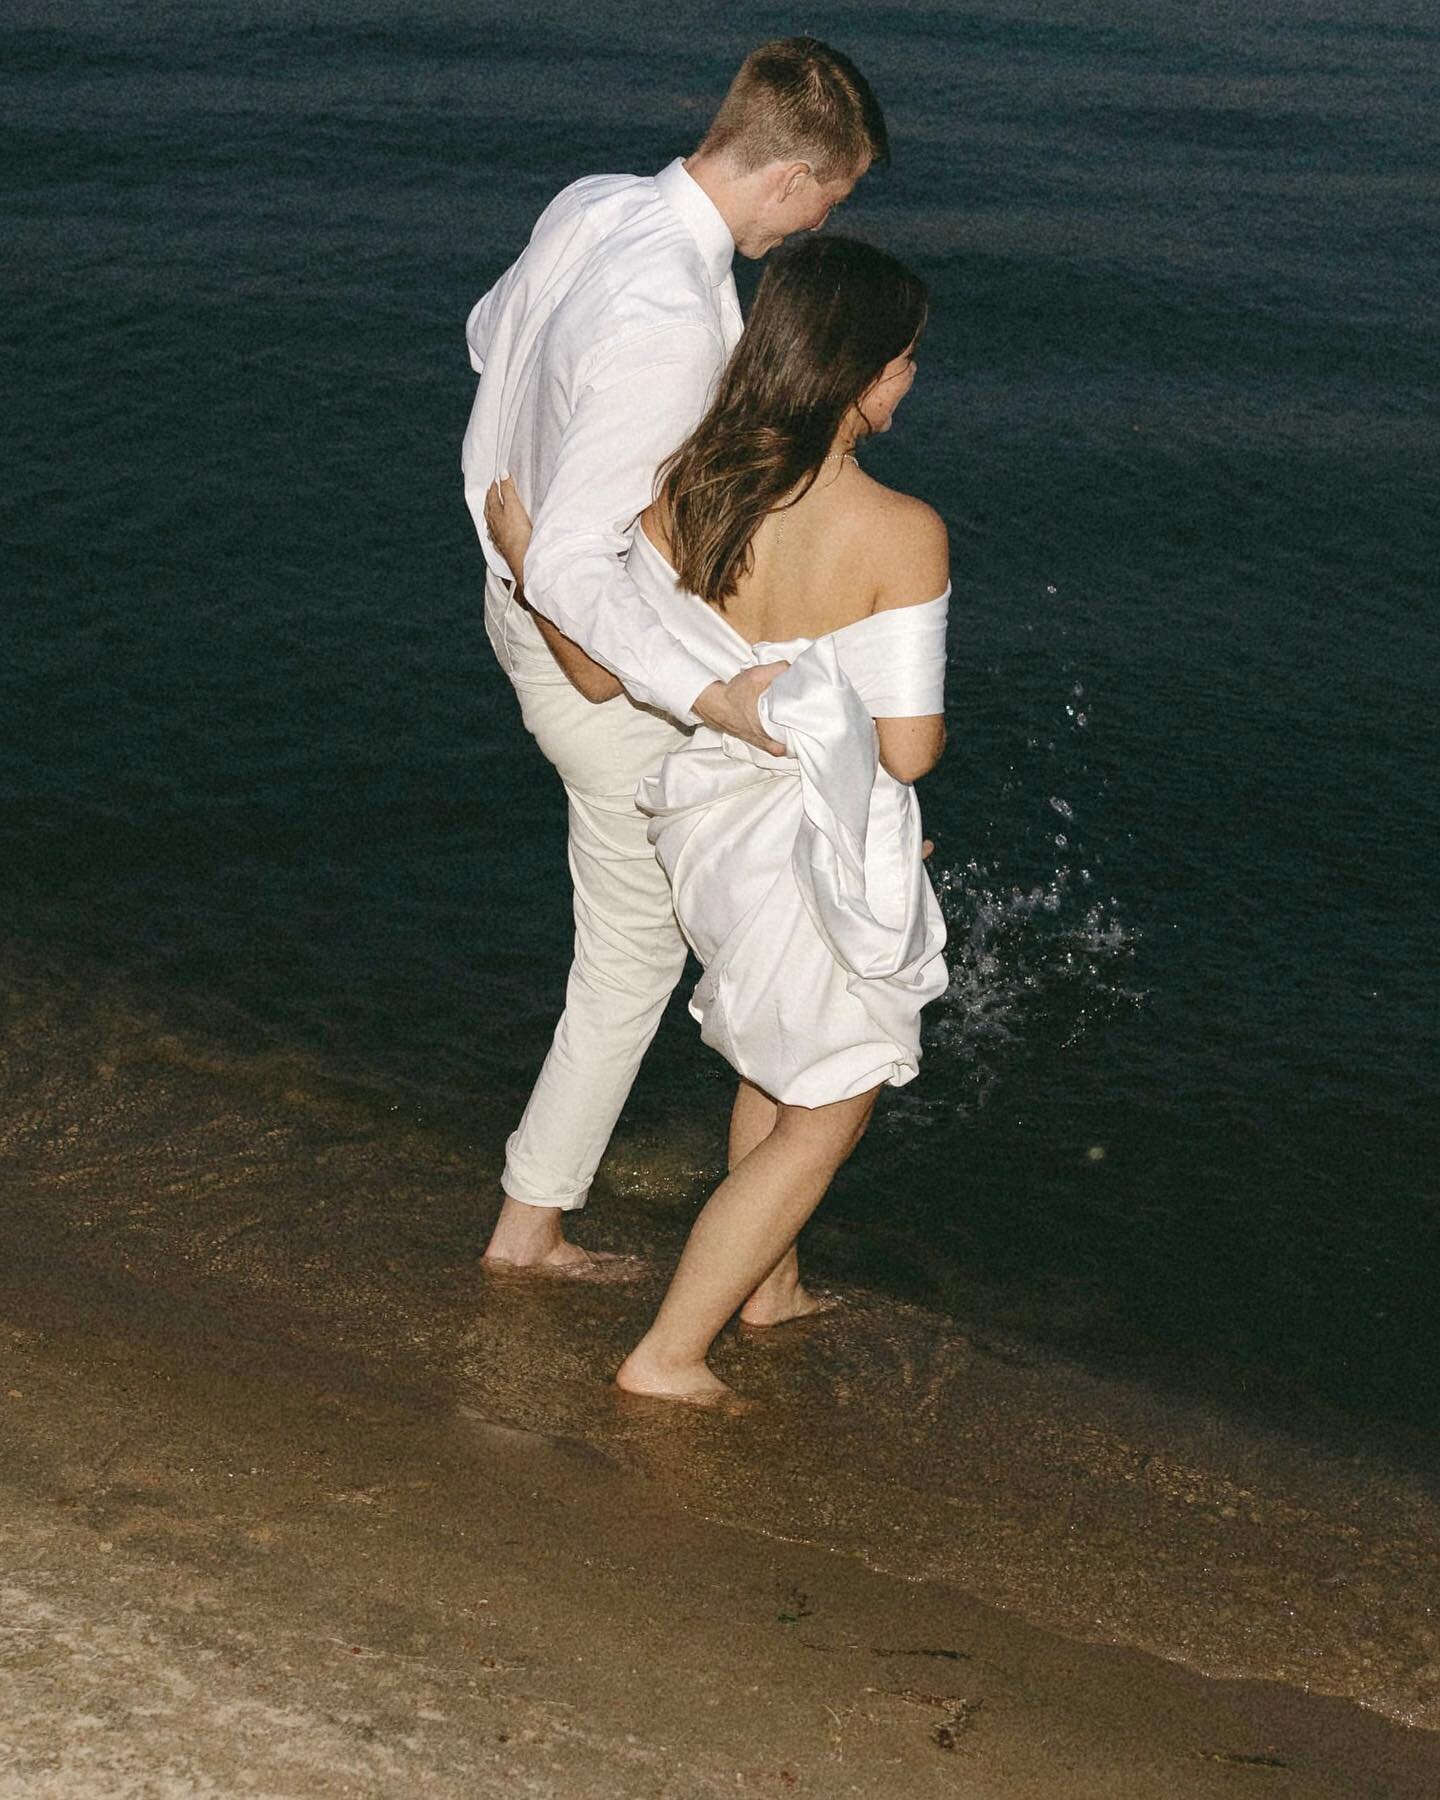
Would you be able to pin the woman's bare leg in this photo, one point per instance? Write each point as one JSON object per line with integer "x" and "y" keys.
{"x": 752, "y": 1119}
{"x": 781, "y": 1295}
{"x": 747, "y": 1226}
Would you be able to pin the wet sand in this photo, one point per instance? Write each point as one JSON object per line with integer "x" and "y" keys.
{"x": 296, "y": 1502}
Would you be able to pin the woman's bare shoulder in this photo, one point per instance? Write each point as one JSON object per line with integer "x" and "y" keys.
{"x": 655, "y": 523}
{"x": 907, "y": 547}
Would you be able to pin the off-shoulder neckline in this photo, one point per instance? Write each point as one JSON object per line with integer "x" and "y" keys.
{"x": 868, "y": 619}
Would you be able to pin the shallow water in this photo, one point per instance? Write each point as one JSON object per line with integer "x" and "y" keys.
{"x": 1235, "y": 1530}
{"x": 1175, "y": 405}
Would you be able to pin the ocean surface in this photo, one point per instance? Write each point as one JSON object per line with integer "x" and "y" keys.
{"x": 1178, "y": 405}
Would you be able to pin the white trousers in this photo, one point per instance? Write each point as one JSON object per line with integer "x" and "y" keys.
{"x": 628, "y": 949}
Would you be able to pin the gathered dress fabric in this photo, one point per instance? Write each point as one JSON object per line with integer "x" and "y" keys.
{"x": 799, "y": 881}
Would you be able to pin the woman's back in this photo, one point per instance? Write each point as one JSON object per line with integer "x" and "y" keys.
{"x": 848, "y": 548}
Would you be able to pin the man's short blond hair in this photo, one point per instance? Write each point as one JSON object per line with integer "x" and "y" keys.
{"x": 797, "y": 100}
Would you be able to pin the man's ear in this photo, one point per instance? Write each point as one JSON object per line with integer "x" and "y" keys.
{"x": 791, "y": 176}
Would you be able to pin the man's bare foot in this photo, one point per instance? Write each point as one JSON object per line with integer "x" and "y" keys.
{"x": 567, "y": 1262}
{"x": 767, "y": 1307}
{"x": 531, "y": 1240}
{"x": 691, "y": 1383}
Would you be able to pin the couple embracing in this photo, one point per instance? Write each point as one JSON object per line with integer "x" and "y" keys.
{"x": 729, "y": 641}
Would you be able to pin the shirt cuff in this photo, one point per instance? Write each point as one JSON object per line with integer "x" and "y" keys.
{"x": 678, "y": 682}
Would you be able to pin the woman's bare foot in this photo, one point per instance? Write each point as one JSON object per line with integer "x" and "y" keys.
{"x": 770, "y": 1305}
{"x": 691, "y": 1383}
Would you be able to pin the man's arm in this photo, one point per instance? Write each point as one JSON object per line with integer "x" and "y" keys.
{"x": 635, "y": 410}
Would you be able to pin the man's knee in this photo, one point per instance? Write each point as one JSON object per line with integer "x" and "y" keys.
{"x": 625, "y": 983}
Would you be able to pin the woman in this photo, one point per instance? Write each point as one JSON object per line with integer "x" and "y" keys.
{"x": 798, "y": 881}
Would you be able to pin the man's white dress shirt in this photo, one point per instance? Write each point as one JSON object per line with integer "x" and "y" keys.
{"x": 597, "y": 353}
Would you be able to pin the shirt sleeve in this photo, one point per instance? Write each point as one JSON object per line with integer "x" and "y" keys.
{"x": 480, "y": 324}
{"x": 633, "y": 410}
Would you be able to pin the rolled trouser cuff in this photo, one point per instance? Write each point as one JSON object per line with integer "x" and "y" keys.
{"x": 527, "y": 1184}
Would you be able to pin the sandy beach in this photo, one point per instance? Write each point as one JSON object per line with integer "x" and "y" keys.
{"x": 297, "y": 1503}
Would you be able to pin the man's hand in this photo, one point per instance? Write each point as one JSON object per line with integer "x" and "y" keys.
{"x": 733, "y": 706}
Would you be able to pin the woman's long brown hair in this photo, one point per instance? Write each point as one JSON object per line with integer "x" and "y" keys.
{"x": 830, "y": 313}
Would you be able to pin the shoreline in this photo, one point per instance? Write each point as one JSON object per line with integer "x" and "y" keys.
{"x": 237, "y": 1560}
{"x": 190, "y": 1181}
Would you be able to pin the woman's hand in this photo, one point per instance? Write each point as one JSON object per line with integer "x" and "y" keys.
{"x": 509, "y": 525}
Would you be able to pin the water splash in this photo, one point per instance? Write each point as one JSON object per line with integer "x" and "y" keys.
{"x": 1037, "y": 956}
{"x": 1020, "y": 956}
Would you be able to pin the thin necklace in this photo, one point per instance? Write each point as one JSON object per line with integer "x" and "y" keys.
{"x": 842, "y": 456}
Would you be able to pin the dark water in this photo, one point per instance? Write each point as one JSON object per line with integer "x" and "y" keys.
{"x": 1178, "y": 405}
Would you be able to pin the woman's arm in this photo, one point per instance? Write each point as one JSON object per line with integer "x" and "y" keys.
{"x": 582, "y": 671}
{"x": 509, "y": 525}
{"x": 910, "y": 748}
{"x": 915, "y": 559}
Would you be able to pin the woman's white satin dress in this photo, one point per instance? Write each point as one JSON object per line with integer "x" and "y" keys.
{"x": 799, "y": 881}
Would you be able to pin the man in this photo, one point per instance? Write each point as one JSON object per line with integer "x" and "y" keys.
{"x": 597, "y": 351}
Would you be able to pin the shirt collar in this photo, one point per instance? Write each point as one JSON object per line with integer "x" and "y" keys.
{"x": 701, "y": 217}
